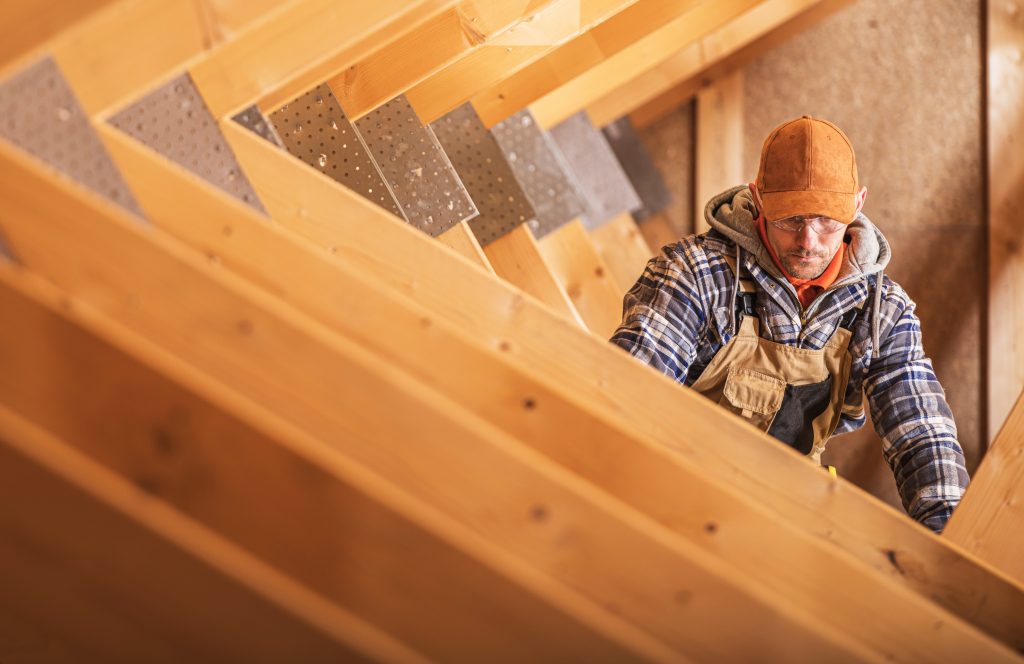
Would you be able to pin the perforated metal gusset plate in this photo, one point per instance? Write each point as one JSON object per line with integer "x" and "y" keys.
{"x": 604, "y": 187}
{"x": 315, "y": 129}
{"x": 540, "y": 170}
{"x": 174, "y": 121}
{"x": 40, "y": 114}
{"x": 482, "y": 167}
{"x": 639, "y": 167}
{"x": 412, "y": 162}
{"x": 253, "y": 119}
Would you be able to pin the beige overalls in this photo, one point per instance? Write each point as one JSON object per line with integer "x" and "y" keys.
{"x": 795, "y": 394}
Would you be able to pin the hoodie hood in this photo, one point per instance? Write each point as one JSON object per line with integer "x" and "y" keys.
{"x": 733, "y": 214}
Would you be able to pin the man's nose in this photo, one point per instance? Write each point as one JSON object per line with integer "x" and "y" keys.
{"x": 805, "y": 237}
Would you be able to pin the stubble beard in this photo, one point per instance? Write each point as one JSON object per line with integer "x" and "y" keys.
{"x": 803, "y": 270}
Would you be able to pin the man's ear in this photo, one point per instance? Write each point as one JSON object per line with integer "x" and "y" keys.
{"x": 862, "y": 196}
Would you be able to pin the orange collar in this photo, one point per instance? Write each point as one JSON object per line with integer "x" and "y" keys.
{"x": 806, "y": 289}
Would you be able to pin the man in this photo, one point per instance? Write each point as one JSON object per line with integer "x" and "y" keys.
{"x": 781, "y": 314}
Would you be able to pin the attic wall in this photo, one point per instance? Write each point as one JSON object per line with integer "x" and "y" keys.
{"x": 670, "y": 142}
{"x": 904, "y": 80}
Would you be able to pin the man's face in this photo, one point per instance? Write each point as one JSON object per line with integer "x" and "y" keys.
{"x": 805, "y": 253}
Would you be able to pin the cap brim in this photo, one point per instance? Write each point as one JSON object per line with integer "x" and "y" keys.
{"x": 782, "y": 204}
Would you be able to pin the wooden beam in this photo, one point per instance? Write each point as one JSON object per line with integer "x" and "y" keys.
{"x": 295, "y": 503}
{"x": 517, "y": 258}
{"x": 1005, "y": 122}
{"x": 502, "y": 57}
{"x": 478, "y": 385}
{"x": 990, "y": 517}
{"x": 440, "y": 452}
{"x": 638, "y": 57}
{"x": 678, "y": 421}
{"x": 122, "y": 576}
{"x": 584, "y": 276}
{"x": 624, "y": 249}
{"x": 436, "y": 44}
{"x": 576, "y": 56}
{"x": 653, "y": 94}
{"x": 719, "y": 142}
{"x": 304, "y": 43}
{"x": 460, "y": 239}
{"x": 26, "y": 26}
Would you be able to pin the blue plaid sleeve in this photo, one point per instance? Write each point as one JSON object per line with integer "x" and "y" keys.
{"x": 663, "y": 320}
{"x": 910, "y": 414}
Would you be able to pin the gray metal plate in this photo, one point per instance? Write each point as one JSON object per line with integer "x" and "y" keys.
{"x": 639, "y": 168}
{"x": 174, "y": 121}
{"x": 540, "y": 170}
{"x": 315, "y": 129}
{"x": 481, "y": 165}
{"x": 40, "y": 114}
{"x": 604, "y": 187}
{"x": 412, "y": 162}
{"x": 253, "y": 119}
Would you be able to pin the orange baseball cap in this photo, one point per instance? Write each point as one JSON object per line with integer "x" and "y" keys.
{"x": 808, "y": 168}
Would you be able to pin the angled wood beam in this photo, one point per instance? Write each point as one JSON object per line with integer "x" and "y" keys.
{"x": 294, "y": 504}
{"x": 576, "y": 56}
{"x": 990, "y": 519}
{"x": 440, "y": 452}
{"x": 658, "y": 91}
{"x": 25, "y": 26}
{"x": 1005, "y": 128}
{"x": 584, "y": 277}
{"x": 121, "y": 576}
{"x": 636, "y": 58}
{"x": 434, "y": 45}
{"x": 649, "y": 404}
{"x": 243, "y": 251}
{"x": 517, "y": 258}
{"x": 502, "y": 57}
{"x": 624, "y": 249}
{"x": 460, "y": 239}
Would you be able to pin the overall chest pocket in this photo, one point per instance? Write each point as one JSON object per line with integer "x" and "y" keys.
{"x": 753, "y": 395}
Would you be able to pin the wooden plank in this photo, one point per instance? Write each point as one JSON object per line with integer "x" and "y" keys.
{"x": 473, "y": 383}
{"x": 460, "y": 239}
{"x": 1005, "y": 76}
{"x": 638, "y": 57}
{"x": 516, "y": 257}
{"x": 439, "y": 451}
{"x": 584, "y": 276}
{"x": 118, "y": 52}
{"x": 490, "y": 63}
{"x": 990, "y": 517}
{"x": 576, "y": 56}
{"x": 294, "y": 503}
{"x": 305, "y": 43}
{"x": 26, "y": 26}
{"x": 117, "y": 574}
{"x": 653, "y": 94}
{"x": 719, "y": 142}
{"x": 429, "y": 48}
{"x": 624, "y": 249}
{"x": 649, "y": 404}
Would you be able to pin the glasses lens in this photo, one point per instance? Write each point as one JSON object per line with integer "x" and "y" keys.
{"x": 820, "y": 225}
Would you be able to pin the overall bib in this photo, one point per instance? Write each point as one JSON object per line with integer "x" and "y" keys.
{"x": 794, "y": 394}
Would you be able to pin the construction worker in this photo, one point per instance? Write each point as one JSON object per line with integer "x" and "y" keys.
{"x": 781, "y": 314}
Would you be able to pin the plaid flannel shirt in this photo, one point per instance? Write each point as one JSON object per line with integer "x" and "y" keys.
{"x": 679, "y": 314}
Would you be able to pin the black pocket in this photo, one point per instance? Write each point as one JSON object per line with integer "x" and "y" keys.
{"x": 801, "y": 405}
